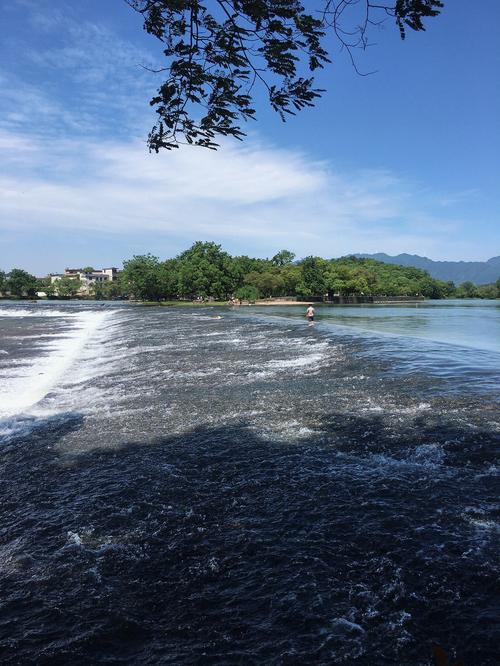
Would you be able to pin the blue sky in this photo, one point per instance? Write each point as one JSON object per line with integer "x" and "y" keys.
{"x": 404, "y": 160}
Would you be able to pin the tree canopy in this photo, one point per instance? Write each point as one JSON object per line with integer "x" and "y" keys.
{"x": 142, "y": 277}
{"x": 67, "y": 286}
{"x": 19, "y": 283}
{"x": 217, "y": 52}
{"x": 206, "y": 271}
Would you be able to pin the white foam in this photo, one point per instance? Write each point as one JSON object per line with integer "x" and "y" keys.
{"x": 74, "y": 538}
{"x": 346, "y": 625}
{"x": 261, "y": 374}
{"x": 36, "y": 312}
{"x": 21, "y": 392}
{"x": 309, "y": 360}
{"x": 484, "y": 524}
{"x": 7, "y": 312}
{"x": 428, "y": 454}
{"x": 195, "y": 374}
{"x": 211, "y": 335}
{"x": 42, "y": 336}
{"x": 421, "y": 407}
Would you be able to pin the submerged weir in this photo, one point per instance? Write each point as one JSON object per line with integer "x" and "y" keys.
{"x": 179, "y": 488}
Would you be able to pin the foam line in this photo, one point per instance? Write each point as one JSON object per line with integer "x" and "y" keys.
{"x": 41, "y": 311}
{"x": 20, "y": 393}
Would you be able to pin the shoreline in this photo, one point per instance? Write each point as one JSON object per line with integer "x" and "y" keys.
{"x": 323, "y": 303}
{"x": 278, "y": 302}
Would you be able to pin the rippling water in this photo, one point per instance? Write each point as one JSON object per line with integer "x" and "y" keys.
{"x": 233, "y": 487}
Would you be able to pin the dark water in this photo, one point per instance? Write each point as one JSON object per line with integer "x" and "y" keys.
{"x": 182, "y": 489}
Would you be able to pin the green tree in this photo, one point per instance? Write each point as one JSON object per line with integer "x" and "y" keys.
{"x": 497, "y": 284}
{"x": 216, "y": 52}
{"x": 353, "y": 275}
{"x": 345, "y": 280}
{"x": 487, "y": 291}
{"x": 3, "y": 281}
{"x": 449, "y": 289}
{"x": 206, "y": 270}
{"x": 67, "y": 287}
{"x": 20, "y": 283}
{"x": 290, "y": 274}
{"x": 141, "y": 277}
{"x": 169, "y": 278}
{"x": 241, "y": 266}
{"x": 99, "y": 290}
{"x": 283, "y": 258}
{"x": 109, "y": 289}
{"x": 312, "y": 280}
{"x": 467, "y": 290}
{"x": 45, "y": 285}
{"x": 88, "y": 269}
{"x": 267, "y": 283}
{"x": 247, "y": 293}
{"x": 432, "y": 288}
{"x": 116, "y": 288}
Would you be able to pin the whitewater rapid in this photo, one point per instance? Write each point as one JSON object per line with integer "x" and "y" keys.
{"x": 225, "y": 486}
{"x": 26, "y": 382}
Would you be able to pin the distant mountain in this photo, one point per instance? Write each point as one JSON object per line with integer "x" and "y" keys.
{"x": 479, "y": 272}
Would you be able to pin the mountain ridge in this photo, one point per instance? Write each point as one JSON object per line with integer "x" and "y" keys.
{"x": 479, "y": 272}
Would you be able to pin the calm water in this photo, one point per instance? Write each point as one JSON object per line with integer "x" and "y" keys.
{"x": 179, "y": 488}
{"x": 464, "y": 323}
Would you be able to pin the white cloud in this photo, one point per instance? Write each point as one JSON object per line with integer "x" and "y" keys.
{"x": 82, "y": 82}
{"x": 73, "y": 76}
{"x": 251, "y": 196}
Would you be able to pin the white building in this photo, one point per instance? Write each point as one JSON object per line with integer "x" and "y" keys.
{"x": 87, "y": 277}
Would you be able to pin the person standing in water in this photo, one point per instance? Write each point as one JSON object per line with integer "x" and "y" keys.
{"x": 310, "y": 315}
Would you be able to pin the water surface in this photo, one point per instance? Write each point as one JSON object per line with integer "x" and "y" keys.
{"x": 231, "y": 486}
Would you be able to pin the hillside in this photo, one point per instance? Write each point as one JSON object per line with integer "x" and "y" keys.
{"x": 479, "y": 272}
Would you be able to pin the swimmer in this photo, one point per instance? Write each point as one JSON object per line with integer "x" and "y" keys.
{"x": 309, "y": 314}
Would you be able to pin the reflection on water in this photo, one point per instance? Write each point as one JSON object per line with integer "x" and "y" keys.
{"x": 457, "y": 341}
{"x": 470, "y": 323}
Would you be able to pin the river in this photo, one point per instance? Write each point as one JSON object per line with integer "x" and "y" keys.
{"x": 232, "y": 486}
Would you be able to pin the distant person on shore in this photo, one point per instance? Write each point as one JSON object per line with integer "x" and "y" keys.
{"x": 310, "y": 315}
